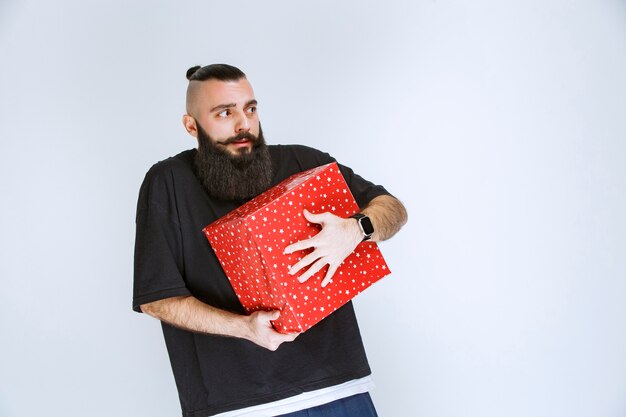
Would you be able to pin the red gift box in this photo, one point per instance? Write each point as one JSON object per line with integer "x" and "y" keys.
{"x": 249, "y": 243}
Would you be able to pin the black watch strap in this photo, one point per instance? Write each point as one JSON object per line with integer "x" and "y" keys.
{"x": 365, "y": 224}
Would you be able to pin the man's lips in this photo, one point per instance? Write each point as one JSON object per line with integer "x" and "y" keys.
{"x": 241, "y": 142}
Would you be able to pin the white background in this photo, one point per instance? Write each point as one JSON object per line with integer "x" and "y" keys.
{"x": 500, "y": 125}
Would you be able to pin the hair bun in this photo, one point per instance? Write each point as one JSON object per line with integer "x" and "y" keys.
{"x": 191, "y": 71}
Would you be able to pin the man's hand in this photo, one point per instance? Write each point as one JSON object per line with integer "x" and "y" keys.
{"x": 337, "y": 239}
{"x": 263, "y": 334}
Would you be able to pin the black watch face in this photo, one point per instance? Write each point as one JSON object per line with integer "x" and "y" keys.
{"x": 366, "y": 224}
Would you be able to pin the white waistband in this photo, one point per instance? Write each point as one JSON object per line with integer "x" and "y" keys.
{"x": 305, "y": 400}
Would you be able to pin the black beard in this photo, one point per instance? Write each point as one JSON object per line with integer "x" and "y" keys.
{"x": 233, "y": 177}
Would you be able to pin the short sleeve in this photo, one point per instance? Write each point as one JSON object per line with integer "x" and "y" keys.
{"x": 159, "y": 266}
{"x": 362, "y": 190}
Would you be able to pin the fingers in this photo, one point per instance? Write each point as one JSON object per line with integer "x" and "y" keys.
{"x": 307, "y": 260}
{"x": 315, "y": 218}
{"x": 267, "y": 316}
{"x": 264, "y": 334}
{"x": 312, "y": 270}
{"x": 320, "y": 218}
{"x": 290, "y": 337}
{"x": 329, "y": 275}
{"x": 330, "y": 247}
{"x": 301, "y": 245}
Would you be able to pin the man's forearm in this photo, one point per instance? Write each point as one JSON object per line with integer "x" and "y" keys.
{"x": 191, "y": 314}
{"x": 387, "y": 214}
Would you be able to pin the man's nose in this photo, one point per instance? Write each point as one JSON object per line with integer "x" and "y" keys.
{"x": 243, "y": 124}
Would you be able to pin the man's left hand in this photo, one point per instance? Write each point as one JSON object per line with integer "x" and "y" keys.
{"x": 337, "y": 239}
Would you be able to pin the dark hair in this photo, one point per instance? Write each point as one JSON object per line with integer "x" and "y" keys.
{"x": 222, "y": 72}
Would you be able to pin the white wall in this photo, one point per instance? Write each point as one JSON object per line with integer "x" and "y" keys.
{"x": 499, "y": 124}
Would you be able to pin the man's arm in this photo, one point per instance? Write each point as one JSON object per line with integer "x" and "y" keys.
{"x": 339, "y": 237}
{"x": 191, "y": 314}
{"x": 387, "y": 214}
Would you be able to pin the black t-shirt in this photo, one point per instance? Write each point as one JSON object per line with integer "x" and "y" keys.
{"x": 173, "y": 257}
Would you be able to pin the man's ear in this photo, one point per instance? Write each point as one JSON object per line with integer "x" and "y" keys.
{"x": 190, "y": 125}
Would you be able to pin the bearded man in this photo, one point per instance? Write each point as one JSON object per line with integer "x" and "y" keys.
{"x": 226, "y": 363}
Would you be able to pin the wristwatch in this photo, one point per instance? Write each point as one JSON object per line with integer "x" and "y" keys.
{"x": 365, "y": 224}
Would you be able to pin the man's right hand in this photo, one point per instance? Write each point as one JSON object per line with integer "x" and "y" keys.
{"x": 263, "y": 334}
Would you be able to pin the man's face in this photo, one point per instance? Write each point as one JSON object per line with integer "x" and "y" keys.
{"x": 227, "y": 111}
{"x": 233, "y": 161}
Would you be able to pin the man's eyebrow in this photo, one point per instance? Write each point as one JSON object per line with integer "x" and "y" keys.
{"x": 252, "y": 102}
{"x": 223, "y": 106}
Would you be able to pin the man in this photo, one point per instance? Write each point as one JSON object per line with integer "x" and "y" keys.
{"x": 224, "y": 362}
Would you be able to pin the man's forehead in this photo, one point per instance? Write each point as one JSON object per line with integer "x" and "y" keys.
{"x": 215, "y": 92}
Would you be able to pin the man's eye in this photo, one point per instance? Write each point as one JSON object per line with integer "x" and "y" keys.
{"x": 251, "y": 109}
{"x": 223, "y": 113}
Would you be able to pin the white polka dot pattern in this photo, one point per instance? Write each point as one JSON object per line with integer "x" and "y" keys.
{"x": 249, "y": 243}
